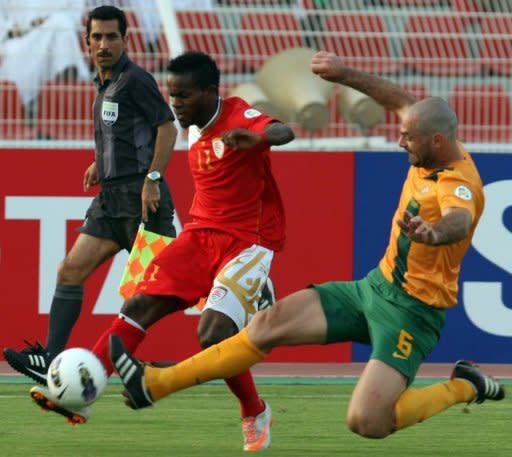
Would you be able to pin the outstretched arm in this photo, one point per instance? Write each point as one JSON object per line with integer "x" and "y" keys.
{"x": 388, "y": 94}
{"x": 275, "y": 134}
{"x": 454, "y": 226}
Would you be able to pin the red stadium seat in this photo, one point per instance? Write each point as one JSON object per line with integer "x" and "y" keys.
{"x": 203, "y": 31}
{"x": 496, "y": 44}
{"x": 466, "y": 6}
{"x": 64, "y": 110}
{"x": 136, "y": 46}
{"x": 249, "y": 2}
{"x": 13, "y": 124}
{"x": 265, "y": 34}
{"x": 362, "y": 41}
{"x": 160, "y": 54}
{"x": 484, "y": 113}
{"x": 411, "y": 2}
{"x": 436, "y": 45}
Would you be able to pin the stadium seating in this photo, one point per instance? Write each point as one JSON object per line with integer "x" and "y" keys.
{"x": 151, "y": 58}
{"x": 496, "y": 44}
{"x": 160, "y": 54}
{"x": 466, "y": 6}
{"x": 64, "y": 110}
{"x": 437, "y": 45}
{"x": 203, "y": 31}
{"x": 484, "y": 112}
{"x": 400, "y": 3}
{"x": 265, "y": 34}
{"x": 13, "y": 123}
{"x": 421, "y": 44}
{"x": 362, "y": 40}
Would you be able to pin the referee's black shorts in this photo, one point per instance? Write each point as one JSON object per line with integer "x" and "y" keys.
{"x": 116, "y": 212}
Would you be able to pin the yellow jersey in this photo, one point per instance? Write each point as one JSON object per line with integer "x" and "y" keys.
{"x": 430, "y": 273}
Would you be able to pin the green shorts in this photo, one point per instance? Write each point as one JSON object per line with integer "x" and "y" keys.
{"x": 401, "y": 329}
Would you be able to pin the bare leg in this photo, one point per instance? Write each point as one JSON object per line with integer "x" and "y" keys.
{"x": 371, "y": 411}
{"x": 296, "y": 319}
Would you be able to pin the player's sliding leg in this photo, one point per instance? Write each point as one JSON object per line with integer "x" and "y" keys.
{"x": 306, "y": 324}
{"x": 226, "y": 359}
{"x": 467, "y": 384}
{"x": 382, "y": 404}
{"x": 297, "y": 319}
{"x": 132, "y": 372}
{"x": 145, "y": 384}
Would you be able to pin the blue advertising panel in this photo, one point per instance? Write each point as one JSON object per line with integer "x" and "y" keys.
{"x": 480, "y": 326}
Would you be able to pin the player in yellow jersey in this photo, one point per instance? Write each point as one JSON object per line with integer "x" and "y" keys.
{"x": 398, "y": 308}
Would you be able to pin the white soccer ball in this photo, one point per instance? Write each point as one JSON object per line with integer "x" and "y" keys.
{"x": 76, "y": 378}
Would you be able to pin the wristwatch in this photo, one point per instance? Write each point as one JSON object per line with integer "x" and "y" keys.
{"x": 154, "y": 176}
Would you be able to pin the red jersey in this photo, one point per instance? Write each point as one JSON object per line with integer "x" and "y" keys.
{"x": 234, "y": 189}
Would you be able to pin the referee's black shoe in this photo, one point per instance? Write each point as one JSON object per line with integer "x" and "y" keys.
{"x": 33, "y": 361}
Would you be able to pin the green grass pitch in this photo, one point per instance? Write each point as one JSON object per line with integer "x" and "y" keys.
{"x": 309, "y": 421}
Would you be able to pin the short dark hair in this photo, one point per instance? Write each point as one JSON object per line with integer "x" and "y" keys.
{"x": 201, "y": 66}
{"x": 106, "y": 13}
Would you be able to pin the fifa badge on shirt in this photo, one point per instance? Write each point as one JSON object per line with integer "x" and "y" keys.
{"x": 109, "y": 112}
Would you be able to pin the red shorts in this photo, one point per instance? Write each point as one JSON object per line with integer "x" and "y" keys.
{"x": 188, "y": 266}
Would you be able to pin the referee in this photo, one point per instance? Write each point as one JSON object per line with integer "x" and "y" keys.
{"x": 134, "y": 136}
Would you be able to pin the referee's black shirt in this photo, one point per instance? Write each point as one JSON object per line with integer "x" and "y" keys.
{"x": 127, "y": 112}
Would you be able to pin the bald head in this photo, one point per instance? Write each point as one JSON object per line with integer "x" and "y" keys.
{"x": 434, "y": 115}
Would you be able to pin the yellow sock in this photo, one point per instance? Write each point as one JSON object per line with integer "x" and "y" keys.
{"x": 223, "y": 360}
{"x": 416, "y": 405}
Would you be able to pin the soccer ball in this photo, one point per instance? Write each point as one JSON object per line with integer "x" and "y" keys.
{"x": 76, "y": 378}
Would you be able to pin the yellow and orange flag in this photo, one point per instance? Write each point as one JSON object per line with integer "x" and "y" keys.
{"x": 146, "y": 246}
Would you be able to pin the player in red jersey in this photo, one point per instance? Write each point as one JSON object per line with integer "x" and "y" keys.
{"x": 225, "y": 253}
